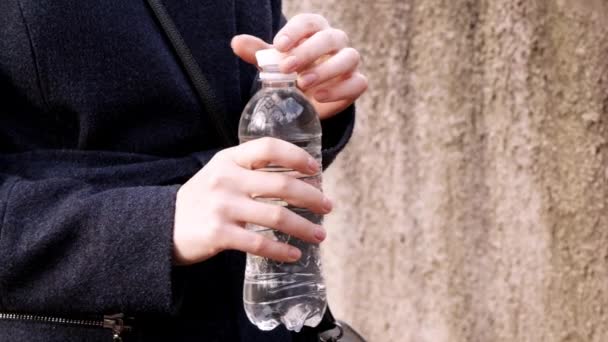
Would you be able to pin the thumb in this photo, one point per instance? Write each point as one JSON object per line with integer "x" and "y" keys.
{"x": 245, "y": 46}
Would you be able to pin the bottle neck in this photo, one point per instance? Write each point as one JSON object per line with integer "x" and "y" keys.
{"x": 271, "y": 77}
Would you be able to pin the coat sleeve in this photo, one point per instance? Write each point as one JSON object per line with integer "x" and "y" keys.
{"x": 72, "y": 242}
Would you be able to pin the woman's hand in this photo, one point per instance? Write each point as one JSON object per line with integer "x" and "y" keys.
{"x": 328, "y": 68}
{"x": 213, "y": 206}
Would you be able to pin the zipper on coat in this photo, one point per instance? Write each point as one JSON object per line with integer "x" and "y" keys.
{"x": 115, "y": 323}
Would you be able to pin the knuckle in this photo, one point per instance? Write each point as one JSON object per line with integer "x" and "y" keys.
{"x": 339, "y": 37}
{"x": 258, "y": 244}
{"x": 353, "y": 54}
{"x": 299, "y": 16}
{"x": 214, "y": 233}
{"x": 265, "y": 140}
{"x": 267, "y": 145}
{"x": 222, "y": 154}
{"x": 312, "y": 24}
{"x": 226, "y": 155}
{"x": 283, "y": 185}
{"x": 225, "y": 240}
{"x": 216, "y": 181}
{"x": 219, "y": 246}
{"x": 364, "y": 83}
{"x": 321, "y": 20}
{"x": 229, "y": 211}
{"x": 219, "y": 208}
{"x": 215, "y": 229}
{"x": 277, "y": 216}
{"x": 213, "y": 181}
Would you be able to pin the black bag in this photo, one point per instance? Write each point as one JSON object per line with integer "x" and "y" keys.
{"x": 329, "y": 330}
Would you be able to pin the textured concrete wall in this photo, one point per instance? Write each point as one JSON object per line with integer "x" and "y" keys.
{"x": 472, "y": 201}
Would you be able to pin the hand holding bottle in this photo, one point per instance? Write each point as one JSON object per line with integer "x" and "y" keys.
{"x": 213, "y": 206}
{"x": 328, "y": 68}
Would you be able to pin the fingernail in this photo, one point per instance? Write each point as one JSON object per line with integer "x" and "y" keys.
{"x": 307, "y": 79}
{"x": 294, "y": 253}
{"x": 327, "y": 205}
{"x": 322, "y": 95}
{"x": 313, "y": 166}
{"x": 282, "y": 43}
{"x": 320, "y": 234}
{"x": 290, "y": 64}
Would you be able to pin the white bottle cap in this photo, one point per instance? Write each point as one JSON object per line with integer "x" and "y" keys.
{"x": 269, "y": 57}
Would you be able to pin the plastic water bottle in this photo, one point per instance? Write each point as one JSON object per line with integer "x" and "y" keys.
{"x": 276, "y": 292}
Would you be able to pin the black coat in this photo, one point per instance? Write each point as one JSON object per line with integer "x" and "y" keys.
{"x": 99, "y": 126}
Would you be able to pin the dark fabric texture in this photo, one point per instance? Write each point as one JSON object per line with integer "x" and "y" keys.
{"x": 99, "y": 126}
{"x": 46, "y": 332}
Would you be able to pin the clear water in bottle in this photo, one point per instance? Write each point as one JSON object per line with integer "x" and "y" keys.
{"x": 274, "y": 292}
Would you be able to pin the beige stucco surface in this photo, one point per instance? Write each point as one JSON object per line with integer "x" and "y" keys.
{"x": 472, "y": 200}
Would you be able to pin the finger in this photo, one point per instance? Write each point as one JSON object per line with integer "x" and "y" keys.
{"x": 348, "y": 89}
{"x": 298, "y": 28}
{"x": 255, "y": 243}
{"x": 245, "y": 46}
{"x": 320, "y": 44}
{"x": 279, "y": 218}
{"x": 262, "y": 152}
{"x": 345, "y": 62}
{"x": 294, "y": 191}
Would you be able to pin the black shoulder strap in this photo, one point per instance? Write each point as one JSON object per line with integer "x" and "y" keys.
{"x": 199, "y": 82}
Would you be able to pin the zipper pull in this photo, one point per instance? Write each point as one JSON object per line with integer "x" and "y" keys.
{"x": 116, "y": 323}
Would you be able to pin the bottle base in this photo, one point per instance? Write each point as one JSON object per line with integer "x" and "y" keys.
{"x": 294, "y": 318}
